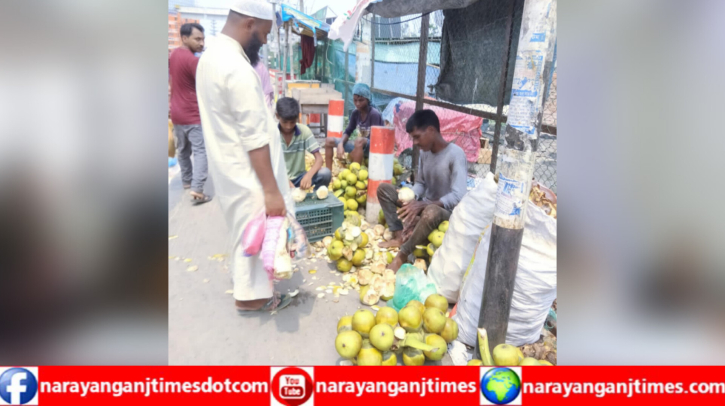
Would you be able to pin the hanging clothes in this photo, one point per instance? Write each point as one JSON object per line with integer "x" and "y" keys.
{"x": 308, "y": 53}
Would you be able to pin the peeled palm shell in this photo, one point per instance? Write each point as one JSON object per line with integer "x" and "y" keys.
{"x": 364, "y": 276}
{"x": 420, "y": 264}
{"x": 387, "y": 235}
{"x": 378, "y": 268}
{"x": 327, "y": 241}
{"x": 377, "y": 283}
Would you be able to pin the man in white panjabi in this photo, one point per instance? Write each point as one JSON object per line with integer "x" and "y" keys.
{"x": 243, "y": 145}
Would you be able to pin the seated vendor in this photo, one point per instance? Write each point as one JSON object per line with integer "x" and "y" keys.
{"x": 296, "y": 140}
{"x": 439, "y": 186}
{"x": 362, "y": 118}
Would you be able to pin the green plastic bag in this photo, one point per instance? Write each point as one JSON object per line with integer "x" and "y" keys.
{"x": 411, "y": 283}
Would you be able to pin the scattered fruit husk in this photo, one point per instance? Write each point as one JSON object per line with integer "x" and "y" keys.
{"x": 364, "y": 276}
{"x": 420, "y": 264}
{"x": 192, "y": 268}
{"x": 369, "y": 296}
{"x": 388, "y": 290}
{"x": 378, "y": 268}
{"x": 539, "y": 198}
{"x": 347, "y": 253}
{"x": 399, "y": 333}
{"x": 387, "y": 235}
{"x": 377, "y": 283}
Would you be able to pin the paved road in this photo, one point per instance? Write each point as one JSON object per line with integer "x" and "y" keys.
{"x": 204, "y": 328}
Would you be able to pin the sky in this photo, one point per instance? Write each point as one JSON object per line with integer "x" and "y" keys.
{"x": 339, "y": 6}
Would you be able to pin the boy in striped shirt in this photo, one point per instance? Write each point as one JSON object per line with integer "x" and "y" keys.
{"x": 298, "y": 139}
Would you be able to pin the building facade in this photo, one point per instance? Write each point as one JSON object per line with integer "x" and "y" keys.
{"x": 176, "y": 20}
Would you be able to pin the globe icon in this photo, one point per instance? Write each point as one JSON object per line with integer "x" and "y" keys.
{"x": 500, "y": 385}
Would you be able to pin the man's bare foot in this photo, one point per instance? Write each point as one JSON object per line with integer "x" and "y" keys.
{"x": 396, "y": 242}
{"x": 398, "y": 261}
{"x": 250, "y": 304}
{"x": 390, "y": 244}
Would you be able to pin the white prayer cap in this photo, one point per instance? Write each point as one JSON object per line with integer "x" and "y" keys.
{"x": 261, "y": 9}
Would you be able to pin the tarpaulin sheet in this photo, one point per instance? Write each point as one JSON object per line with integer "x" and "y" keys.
{"x": 472, "y": 50}
{"x": 288, "y": 13}
{"x": 399, "y": 8}
{"x": 462, "y": 129}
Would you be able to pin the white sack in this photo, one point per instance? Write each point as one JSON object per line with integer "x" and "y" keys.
{"x": 469, "y": 219}
{"x": 535, "y": 286}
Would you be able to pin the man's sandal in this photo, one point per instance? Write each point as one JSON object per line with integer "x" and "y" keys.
{"x": 275, "y": 303}
{"x": 197, "y": 200}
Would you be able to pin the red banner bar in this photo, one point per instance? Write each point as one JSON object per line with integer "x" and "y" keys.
{"x": 349, "y": 386}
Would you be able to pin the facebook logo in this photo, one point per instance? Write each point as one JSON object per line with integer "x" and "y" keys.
{"x": 18, "y": 386}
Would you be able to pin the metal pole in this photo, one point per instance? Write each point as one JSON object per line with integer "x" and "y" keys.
{"x": 345, "y": 78}
{"x": 289, "y": 49}
{"x": 372, "y": 51}
{"x": 316, "y": 69}
{"x": 324, "y": 61}
{"x": 420, "y": 90}
{"x": 534, "y": 53}
{"x": 422, "y": 62}
{"x": 276, "y": 34}
{"x": 502, "y": 85}
{"x": 284, "y": 62}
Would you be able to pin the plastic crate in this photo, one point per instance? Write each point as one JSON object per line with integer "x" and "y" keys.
{"x": 319, "y": 218}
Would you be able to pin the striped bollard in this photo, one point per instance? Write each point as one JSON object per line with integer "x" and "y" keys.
{"x": 335, "y": 113}
{"x": 380, "y": 167}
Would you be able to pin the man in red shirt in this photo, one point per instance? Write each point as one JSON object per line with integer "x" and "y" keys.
{"x": 185, "y": 111}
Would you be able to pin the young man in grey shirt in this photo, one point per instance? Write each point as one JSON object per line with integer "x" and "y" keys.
{"x": 439, "y": 186}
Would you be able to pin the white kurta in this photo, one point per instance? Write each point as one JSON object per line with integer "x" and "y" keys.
{"x": 235, "y": 120}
